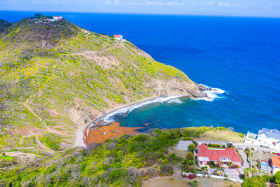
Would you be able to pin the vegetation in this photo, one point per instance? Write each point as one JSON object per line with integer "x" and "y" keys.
{"x": 191, "y": 148}
{"x": 55, "y": 76}
{"x": 255, "y": 181}
{"x": 215, "y": 146}
{"x": 51, "y": 140}
{"x": 117, "y": 162}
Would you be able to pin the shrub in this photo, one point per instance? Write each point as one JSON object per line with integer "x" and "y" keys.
{"x": 51, "y": 140}
{"x": 166, "y": 170}
{"x": 276, "y": 177}
{"x": 212, "y": 164}
{"x": 191, "y": 148}
{"x": 229, "y": 145}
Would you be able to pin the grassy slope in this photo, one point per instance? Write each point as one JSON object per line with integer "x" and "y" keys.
{"x": 47, "y": 70}
{"x": 119, "y": 162}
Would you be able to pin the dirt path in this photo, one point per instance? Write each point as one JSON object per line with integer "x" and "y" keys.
{"x": 26, "y": 105}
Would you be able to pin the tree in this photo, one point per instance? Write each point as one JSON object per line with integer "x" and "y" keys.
{"x": 229, "y": 145}
{"x": 189, "y": 156}
{"x": 195, "y": 143}
{"x": 184, "y": 165}
{"x": 276, "y": 177}
{"x": 191, "y": 148}
{"x": 212, "y": 164}
{"x": 246, "y": 171}
{"x": 254, "y": 181}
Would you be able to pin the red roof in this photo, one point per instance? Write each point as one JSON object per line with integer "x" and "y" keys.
{"x": 216, "y": 155}
{"x": 275, "y": 160}
{"x": 116, "y": 35}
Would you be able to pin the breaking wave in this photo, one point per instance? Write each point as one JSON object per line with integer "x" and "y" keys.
{"x": 212, "y": 94}
{"x": 111, "y": 117}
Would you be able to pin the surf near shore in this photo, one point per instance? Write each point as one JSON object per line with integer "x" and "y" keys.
{"x": 107, "y": 127}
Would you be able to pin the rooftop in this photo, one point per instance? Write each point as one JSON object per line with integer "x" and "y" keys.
{"x": 228, "y": 154}
{"x": 275, "y": 160}
{"x": 272, "y": 133}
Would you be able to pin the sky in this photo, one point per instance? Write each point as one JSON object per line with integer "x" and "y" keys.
{"x": 259, "y": 8}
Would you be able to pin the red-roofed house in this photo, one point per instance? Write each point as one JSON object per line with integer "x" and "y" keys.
{"x": 275, "y": 163}
{"x": 219, "y": 156}
{"x": 118, "y": 37}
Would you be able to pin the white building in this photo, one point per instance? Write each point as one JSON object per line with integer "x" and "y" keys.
{"x": 266, "y": 137}
{"x": 118, "y": 37}
{"x": 57, "y": 18}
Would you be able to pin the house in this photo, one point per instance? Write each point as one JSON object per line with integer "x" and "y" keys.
{"x": 250, "y": 137}
{"x": 266, "y": 137}
{"x": 275, "y": 162}
{"x": 57, "y": 18}
{"x": 223, "y": 156}
{"x": 118, "y": 37}
{"x": 269, "y": 137}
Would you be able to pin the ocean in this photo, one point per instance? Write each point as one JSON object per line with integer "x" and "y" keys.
{"x": 239, "y": 55}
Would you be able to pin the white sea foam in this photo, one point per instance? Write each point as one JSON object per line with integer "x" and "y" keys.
{"x": 176, "y": 101}
{"x": 212, "y": 94}
{"x": 109, "y": 118}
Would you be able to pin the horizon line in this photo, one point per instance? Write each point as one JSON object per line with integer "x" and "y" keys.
{"x": 132, "y": 13}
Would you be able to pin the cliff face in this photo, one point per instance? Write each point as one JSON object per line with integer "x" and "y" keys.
{"x": 55, "y": 77}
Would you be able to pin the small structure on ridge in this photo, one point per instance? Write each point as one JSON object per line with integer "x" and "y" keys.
{"x": 118, "y": 37}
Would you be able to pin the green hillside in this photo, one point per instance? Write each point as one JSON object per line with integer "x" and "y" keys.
{"x": 56, "y": 77}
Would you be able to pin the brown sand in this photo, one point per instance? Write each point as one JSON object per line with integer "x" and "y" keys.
{"x": 102, "y": 133}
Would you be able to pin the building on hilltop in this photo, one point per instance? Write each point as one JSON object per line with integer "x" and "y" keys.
{"x": 118, "y": 37}
{"x": 275, "y": 162}
{"x": 222, "y": 157}
{"x": 266, "y": 138}
{"x": 57, "y": 18}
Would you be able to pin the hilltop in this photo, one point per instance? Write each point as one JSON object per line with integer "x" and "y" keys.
{"x": 56, "y": 78}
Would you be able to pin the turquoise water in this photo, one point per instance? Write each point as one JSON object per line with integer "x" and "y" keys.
{"x": 238, "y": 55}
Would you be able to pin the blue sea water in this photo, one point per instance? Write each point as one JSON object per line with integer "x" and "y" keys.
{"x": 236, "y": 54}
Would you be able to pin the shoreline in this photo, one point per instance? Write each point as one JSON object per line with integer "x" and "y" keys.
{"x": 100, "y": 121}
{"x": 126, "y": 108}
